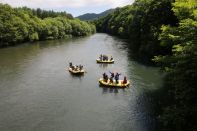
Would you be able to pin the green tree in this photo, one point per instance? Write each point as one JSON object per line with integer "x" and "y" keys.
{"x": 18, "y": 25}
{"x": 141, "y": 23}
{"x": 180, "y": 113}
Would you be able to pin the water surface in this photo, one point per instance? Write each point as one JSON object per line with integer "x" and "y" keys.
{"x": 37, "y": 93}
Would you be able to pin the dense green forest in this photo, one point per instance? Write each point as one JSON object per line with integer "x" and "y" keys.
{"x": 180, "y": 112}
{"x": 140, "y": 22}
{"x": 18, "y": 25}
{"x": 164, "y": 31}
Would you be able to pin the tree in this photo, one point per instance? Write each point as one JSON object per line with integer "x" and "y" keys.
{"x": 181, "y": 65}
{"x": 18, "y": 25}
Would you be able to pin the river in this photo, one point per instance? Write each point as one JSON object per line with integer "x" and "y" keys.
{"x": 37, "y": 93}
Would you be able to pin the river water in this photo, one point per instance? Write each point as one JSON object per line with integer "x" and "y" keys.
{"x": 37, "y": 93}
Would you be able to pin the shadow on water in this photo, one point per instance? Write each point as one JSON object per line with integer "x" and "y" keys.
{"x": 144, "y": 111}
{"x": 161, "y": 99}
{"x": 135, "y": 55}
{"x": 148, "y": 100}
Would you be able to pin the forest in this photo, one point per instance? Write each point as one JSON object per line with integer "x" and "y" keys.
{"x": 163, "y": 32}
{"x": 18, "y": 25}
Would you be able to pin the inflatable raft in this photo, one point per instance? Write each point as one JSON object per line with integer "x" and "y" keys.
{"x": 106, "y": 61}
{"x": 76, "y": 72}
{"x": 114, "y": 84}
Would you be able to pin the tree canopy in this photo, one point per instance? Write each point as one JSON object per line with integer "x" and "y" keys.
{"x": 18, "y": 25}
{"x": 181, "y": 112}
{"x": 141, "y": 23}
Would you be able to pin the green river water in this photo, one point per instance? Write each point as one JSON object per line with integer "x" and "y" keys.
{"x": 37, "y": 93}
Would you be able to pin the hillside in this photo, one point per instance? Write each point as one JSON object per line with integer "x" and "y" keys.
{"x": 92, "y": 16}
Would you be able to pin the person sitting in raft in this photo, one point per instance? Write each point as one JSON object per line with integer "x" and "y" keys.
{"x": 101, "y": 57}
{"x": 124, "y": 80}
{"x": 70, "y": 64}
{"x": 80, "y": 67}
{"x": 111, "y": 58}
{"x": 117, "y": 77}
{"x": 76, "y": 68}
{"x": 73, "y": 67}
{"x": 105, "y": 77}
{"x": 106, "y": 58}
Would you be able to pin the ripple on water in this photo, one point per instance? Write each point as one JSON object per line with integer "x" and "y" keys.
{"x": 38, "y": 93}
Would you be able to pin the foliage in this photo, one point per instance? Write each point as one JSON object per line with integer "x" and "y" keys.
{"x": 45, "y": 14}
{"x": 180, "y": 114}
{"x": 21, "y": 24}
{"x": 141, "y": 23}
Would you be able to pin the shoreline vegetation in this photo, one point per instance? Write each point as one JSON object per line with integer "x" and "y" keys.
{"x": 140, "y": 23}
{"x": 163, "y": 32}
{"x": 19, "y": 25}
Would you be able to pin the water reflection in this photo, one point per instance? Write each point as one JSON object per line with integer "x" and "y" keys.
{"x": 109, "y": 90}
{"x": 106, "y": 90}
{"x": 101, "y": 65}
{"x": 77, "y": 77}
{"x": 29, "y": 74}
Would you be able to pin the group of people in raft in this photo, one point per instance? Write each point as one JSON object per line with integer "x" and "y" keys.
{"x": 112, "y": 77}
{"x": 105, "y": 58}
{"x": 76, "y": 67}
{"x": 105, "y": 76}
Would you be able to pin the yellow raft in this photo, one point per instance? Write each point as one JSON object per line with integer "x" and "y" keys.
{"x": 106, "y": 61}
{"x": 76, "y": 72}
{"x": 108, "y": 84}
